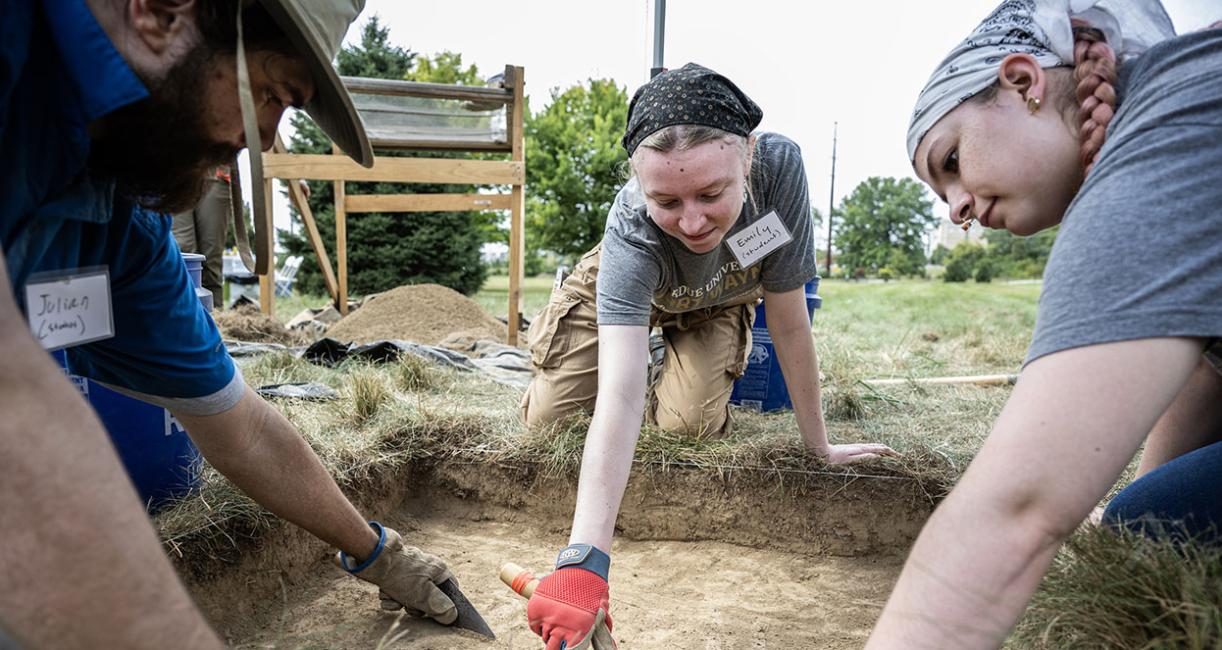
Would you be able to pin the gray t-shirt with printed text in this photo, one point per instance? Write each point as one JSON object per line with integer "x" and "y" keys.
{"x": 643, "y": 268}
{"x": 1139, "y": 254}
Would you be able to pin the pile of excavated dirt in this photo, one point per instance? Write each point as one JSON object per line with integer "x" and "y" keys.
{"x": 422, "y": 313}
{"x": 247, "y": 323}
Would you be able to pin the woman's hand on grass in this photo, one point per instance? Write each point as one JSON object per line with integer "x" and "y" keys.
{"x": 853, "y": 453}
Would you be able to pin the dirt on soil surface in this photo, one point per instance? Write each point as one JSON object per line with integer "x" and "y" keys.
{"x": 665, "y": 594}
{"x": 422, "y": 313}
{"x": 247, "y": 323}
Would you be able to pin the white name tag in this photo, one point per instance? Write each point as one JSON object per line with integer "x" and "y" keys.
{"x": 755, "y": 242}
{"x": 68, "y": 308}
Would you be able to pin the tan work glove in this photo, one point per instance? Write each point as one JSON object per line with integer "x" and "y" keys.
{"x": 407, "y": 576}
{"x": 599, "y": 637}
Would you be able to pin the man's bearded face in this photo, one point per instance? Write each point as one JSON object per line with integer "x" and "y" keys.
{"x": 159, "y": 149}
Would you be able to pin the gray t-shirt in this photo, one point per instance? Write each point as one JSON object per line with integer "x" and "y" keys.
{"x": 1139, "y": 254}
{"x": 643, "y": 268}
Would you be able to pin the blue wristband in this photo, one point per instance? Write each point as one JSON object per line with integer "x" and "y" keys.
{"x": 346, "y": 561}
{"x": 585, "y": 556}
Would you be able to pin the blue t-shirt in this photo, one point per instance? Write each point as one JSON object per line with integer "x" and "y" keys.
{"x": 58, "y": 73}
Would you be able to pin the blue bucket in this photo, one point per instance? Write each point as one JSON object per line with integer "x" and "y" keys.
{"x": 762, "y": 386}
{"x": 159, "y": 457}
{"x": 195, "y": 268}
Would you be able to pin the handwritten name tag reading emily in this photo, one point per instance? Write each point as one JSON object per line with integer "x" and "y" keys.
{"x": 69, "y": 308}
{"x": 756, "y": 241}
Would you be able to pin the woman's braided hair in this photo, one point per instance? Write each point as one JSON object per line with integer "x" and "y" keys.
{"x": 1095, "y": 73}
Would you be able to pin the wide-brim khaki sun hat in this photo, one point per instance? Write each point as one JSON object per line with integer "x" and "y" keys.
{"x": 316, "y": 28}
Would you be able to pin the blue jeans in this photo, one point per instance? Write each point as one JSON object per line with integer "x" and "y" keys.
{"x": 1183, "y": 498}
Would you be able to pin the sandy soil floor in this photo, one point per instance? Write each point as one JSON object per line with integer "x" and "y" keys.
{"x": 665, "y": 594}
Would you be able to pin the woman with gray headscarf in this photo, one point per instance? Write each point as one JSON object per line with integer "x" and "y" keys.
{"x": 1094, "y": 115}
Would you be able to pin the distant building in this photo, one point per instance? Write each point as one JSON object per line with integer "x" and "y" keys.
{"x": 494, "y": 253}
{"x": 950, "y": 235}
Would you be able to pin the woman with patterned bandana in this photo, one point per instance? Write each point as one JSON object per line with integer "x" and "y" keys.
{"x": 715, "y": 218}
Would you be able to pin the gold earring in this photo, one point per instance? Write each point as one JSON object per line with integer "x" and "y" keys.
{"x": 1033, "y": 105}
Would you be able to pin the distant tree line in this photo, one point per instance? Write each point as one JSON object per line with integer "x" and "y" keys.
{"x": 880, "y": 231}
{"x": 1006, "y": 256}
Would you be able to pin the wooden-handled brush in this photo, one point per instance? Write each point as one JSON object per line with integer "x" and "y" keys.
{"x": 520, "y": 580}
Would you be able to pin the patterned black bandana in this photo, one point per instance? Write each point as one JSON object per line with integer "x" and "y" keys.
{"x": 692, "y": 94}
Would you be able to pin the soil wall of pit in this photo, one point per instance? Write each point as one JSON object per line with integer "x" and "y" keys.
{"x": 818, "y": 514}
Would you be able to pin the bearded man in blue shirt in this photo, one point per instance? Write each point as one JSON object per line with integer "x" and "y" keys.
{"x": 102, "y": 131}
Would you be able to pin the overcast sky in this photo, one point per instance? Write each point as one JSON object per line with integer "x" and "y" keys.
{"x": 807, "y": 64}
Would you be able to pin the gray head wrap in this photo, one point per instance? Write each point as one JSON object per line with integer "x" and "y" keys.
{"x": 1040, "y": 28}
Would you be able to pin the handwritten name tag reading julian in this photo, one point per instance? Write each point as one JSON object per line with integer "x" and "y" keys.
{"x": 756, "y": 241}
{"x": 69, "y": 308}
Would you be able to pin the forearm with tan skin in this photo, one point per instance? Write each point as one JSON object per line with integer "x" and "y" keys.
{"x": 611, "y": 441}
{"x": 1073, "y": 422}
{"x": 1193, "y": 421}
{"x": 789, "y": 327}
{"x": 261, "y": 452}
{"x": 85, "y": 568}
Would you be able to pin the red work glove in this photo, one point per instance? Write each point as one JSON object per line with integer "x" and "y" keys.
{"x": 564, "y": 608}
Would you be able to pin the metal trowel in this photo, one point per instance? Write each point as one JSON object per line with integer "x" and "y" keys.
{"x": 468, "y": 617}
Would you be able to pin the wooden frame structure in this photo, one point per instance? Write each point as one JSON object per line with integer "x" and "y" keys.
{"x": 341, "y": 170}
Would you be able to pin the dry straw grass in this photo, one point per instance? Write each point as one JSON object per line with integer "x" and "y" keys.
{"x": 1109, "y": 589}
{"x": 391, "y": 415}
{"x": 368, "y": 392}
{"x": 415, "y": 374}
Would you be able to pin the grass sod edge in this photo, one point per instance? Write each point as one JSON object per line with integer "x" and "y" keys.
{"x": 220, "y": 522}
{"x": 377, "y": 423}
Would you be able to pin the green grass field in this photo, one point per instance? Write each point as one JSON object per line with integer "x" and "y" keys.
{"x": 925, "y": 328}
{"x": 494, "y": 296}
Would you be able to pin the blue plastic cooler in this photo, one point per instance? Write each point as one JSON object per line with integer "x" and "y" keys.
{"x": 159, "y": 457}
{"x": 762, "y": 386}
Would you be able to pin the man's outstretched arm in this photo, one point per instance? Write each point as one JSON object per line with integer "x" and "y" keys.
{"x": 258, "y": 449}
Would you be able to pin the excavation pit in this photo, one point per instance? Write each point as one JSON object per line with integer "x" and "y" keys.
{"x": 703, "y": 558}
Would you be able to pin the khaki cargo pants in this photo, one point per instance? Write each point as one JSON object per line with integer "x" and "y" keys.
{"x": 705, "y": 351}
